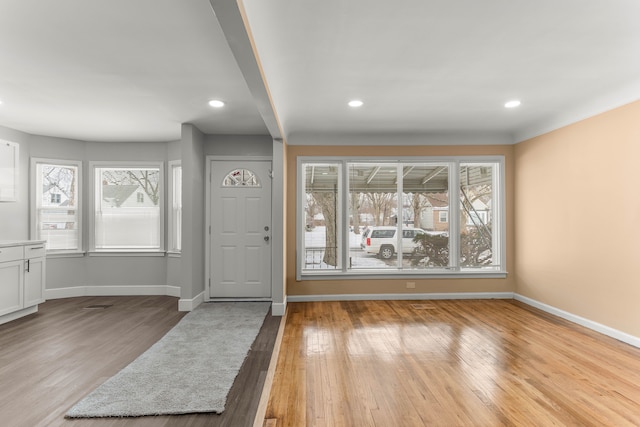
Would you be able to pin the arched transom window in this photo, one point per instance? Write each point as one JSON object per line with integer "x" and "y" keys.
{"x": 241, "y": 178}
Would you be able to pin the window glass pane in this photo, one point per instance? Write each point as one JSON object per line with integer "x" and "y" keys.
{"x": 373, "y": 206}
{"x": 123, "y": 219}
{"x": 425, "y": 210}
{"x": 321, "y": 217}
{"x": 241, "y": 178}
{"x": 476, "y": 211}
{"x": 57, "y": 206}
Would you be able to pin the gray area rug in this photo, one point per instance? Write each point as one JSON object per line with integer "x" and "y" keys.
{"x": 191, "y": 369}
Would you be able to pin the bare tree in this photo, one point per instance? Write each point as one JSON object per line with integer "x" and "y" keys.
{"x": 61, "y": 178}
{"x": 381, "y": 204}
{"x": 356, "y": 203}
{"x": 475, "y": 240}
{"x": 64, "y": 180}
{"x": 418, "y": 203}
{"x": 311, "y": 209}
{"x": 148, "y": 180}
{"x": 327, "y": 202}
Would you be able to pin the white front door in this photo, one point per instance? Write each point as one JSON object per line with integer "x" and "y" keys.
{"x": 240, "y": 263}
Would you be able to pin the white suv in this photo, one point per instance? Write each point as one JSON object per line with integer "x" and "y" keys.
{"x": 382, "y": 240}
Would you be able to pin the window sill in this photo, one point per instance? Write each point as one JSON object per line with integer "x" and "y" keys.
{"x": 52, "y": 255}
{"x": 386, "y": 275}
{"x": 125, "y": 253}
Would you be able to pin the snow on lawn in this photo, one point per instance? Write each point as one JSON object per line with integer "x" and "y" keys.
{"x": 316, "y": 238}
{"x": 314, "y": 242}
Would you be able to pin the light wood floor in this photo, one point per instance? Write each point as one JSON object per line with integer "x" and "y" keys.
{"x": 52, "y": 359}
{"x": 448, "y": 363}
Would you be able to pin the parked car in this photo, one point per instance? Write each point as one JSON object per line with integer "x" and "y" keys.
{"x": 382, "y": 241}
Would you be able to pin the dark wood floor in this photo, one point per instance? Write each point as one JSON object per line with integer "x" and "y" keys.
{"x": 448, "y": 363}
{"x": 52, "y": 359}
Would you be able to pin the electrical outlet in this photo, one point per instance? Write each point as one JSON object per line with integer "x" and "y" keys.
{"x": 411, "y": 285}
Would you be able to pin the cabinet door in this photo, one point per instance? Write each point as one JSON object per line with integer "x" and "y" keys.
{"x": 34, "y": 282}
{"x": 11, "y": 279}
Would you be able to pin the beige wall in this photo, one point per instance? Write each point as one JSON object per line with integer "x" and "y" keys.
{"x": 577, "y": 218}
{"x": 286, "y": 219}
{"x": 381, "y": 286}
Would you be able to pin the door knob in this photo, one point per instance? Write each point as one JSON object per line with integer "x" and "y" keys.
{"x": 266, "y": 238}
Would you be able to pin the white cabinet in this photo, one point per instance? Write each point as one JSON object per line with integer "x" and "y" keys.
{"x": 22, "y": 278}
{"x": 34, "y": 274}
{"x": 11, "y": 277}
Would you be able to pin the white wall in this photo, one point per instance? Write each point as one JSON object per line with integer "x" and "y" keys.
{"x": 13, "y": 215}
{"x": 193, "y": 233}
{"x": 128, "y": 271}
{"x": 68, "y": 276}
{"x": 238, "y": 145}
{"x": 174, "y": 262}
{"x": 128, "y": 275}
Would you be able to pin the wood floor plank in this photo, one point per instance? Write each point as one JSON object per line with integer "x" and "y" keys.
{"x": 52, "y": 359}
{"x": 448, "y": 363}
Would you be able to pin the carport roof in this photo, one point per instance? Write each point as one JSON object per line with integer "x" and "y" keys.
{"x": 380, "y": 177}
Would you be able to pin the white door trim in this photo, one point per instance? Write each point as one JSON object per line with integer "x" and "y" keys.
{"x": 208, "y": 161}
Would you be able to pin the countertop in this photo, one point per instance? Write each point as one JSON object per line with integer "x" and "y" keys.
{"x": 6, "y": 243}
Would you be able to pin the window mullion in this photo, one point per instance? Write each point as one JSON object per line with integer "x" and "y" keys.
{"x": 343, "y": 221}
{"x": 300, "y": 217}
{"x": 454, "y": 216}
{"x": 499, "y": 215}
{"x": 399, "y": 214}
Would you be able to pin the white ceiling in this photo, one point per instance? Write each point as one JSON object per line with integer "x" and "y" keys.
{"x": 125, "y": 70}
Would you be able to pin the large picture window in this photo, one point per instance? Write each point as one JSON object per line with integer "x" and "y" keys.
{"x": 56, "y": 201}
{"x": 127, "y": 207}
{"x": 416, "y": 216}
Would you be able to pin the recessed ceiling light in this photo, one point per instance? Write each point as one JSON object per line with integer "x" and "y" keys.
{"x": 216, "y": 103}
{"x": 355, "y": 103}
{"x": 512, "y": 104}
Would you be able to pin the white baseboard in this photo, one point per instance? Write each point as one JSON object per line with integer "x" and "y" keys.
{"x": 173, "y": 291}
{"x": 18, "y": 314}
{"x": 58, "y": 293}
{"x": 279, "y": 308}
{"x": 590, "y": 324}
{"x": 374, "y": 297}
{"x": 189, "y": 304}
{"x": 109, "y": 291}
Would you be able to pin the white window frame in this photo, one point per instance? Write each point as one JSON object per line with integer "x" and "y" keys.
{"x": 174, "y": 234}
{"x": 454, "y": 270}
{"x": 35, "y": 161}
{"x": 341, "y": 203}
{"x": 92, "y": 206}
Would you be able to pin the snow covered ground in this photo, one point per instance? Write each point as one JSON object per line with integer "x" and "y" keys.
{"x": 314, "y": 249}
